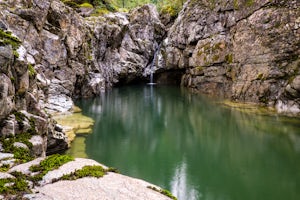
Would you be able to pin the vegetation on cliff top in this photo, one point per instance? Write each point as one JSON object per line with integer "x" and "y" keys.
{"x": 171, "y": 7}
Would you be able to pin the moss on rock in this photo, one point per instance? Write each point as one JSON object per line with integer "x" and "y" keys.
{"x": 86, "y": 171}
{"x": 163, "y": 191}
{"x": 6, "y": 38}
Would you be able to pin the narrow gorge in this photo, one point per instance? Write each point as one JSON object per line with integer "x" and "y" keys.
{"x": 51, "y": 54}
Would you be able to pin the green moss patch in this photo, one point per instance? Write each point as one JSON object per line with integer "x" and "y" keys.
{"x": 86, "y": 171}
{"x": 15, "y": 186}
{"x": 163, "y": 191}
{"x": 50, "y": 163}
{"x": 20, "y": 117}
{"x": 86, "y": 5}
{"x": 229, "y": 58}
{"x": 31, "y": 71}
{"x": 100, "y": 12}
{"x": 89, "y": 171}
{"x": 70, "y": 3}
{"x": 4, "y": 168}
{"x": 172, "y": 10}
{"x": 6, "y": 38}
{"x": 22, "y": 154}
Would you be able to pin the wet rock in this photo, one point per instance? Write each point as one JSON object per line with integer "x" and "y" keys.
{"x": 56, "y": 141}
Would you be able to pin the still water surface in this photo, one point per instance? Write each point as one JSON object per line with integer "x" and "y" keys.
{"x": 192, "y": 146}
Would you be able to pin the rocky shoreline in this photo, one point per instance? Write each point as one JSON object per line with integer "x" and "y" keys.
{"x": 245, "y": 51}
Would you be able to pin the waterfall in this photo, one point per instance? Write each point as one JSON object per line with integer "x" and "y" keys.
{"x": 152, "y": 65}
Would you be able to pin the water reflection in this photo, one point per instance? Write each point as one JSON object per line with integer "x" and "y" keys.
{"x": 179, "y": 185}
{"x": 193, "y": 147}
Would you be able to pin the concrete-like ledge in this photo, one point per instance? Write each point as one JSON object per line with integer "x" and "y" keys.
{"x": 110, "y": 186}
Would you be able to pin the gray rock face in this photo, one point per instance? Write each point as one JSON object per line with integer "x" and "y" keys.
{"x": 6, "y": 96}
{"x": 74, "y": 56}
{"x": 62, "y": 55}
{"x": 125, "y": 44}
{"x": 238, "y": 50}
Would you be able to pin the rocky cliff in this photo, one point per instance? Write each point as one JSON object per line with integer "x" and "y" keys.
{"x": 238, "y": 49}
{"x": 50, "y": 54}
{"x": 244, "y": 50}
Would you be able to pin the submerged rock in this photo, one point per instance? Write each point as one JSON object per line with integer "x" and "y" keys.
{"x": 73, "y": 124}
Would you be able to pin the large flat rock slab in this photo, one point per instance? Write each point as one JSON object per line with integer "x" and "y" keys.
{"x": 111, "y": 186}
{"x": 68, "y": 168}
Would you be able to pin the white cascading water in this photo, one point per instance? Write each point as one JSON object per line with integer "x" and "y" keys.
{"x": 152, "y": 65}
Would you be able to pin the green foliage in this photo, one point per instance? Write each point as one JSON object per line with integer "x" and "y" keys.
{"x": 12, "y": 79}
{"x": 16, "y": 54}
{"x": 242, "y": 3}
{"x": 172, "y": 10}
{"x": 20, "y": 117}
{"x": 97, "y": 4}
{"x": 71, "y": 3}
{"x": 14, "y": 185}
{"x": 86, "y": 171}
{"x": 50, "y": 163}
{"x": 250, "y": 2}
{"x": 235, "y": 4}
{"x": 215, "y": 58}
{"x": 229, "y": 58}
{"x": 4, "y": 168}
{"x": 6, "y": 38}
{"x": 260, "y": 76}
{"x": 31, "y": 71}
{"x": 100, "y": 11}
{"x": 163, "y": 191}
{"x": 22, "y": 154}
{"x": 86, "y": 5}
{"x": 171, "y": 7}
